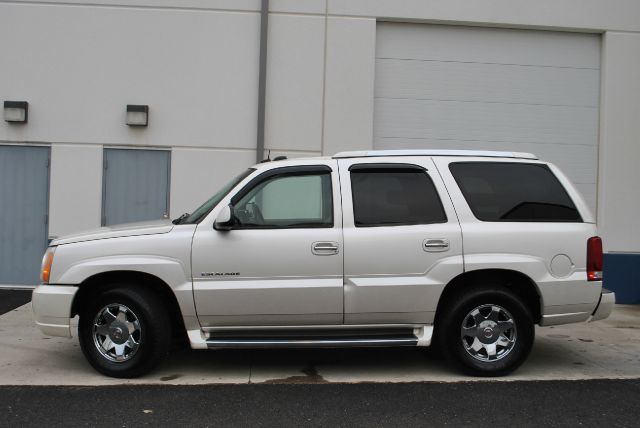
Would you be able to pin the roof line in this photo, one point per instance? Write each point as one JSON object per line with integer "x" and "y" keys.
{"x": 475, "y": 153}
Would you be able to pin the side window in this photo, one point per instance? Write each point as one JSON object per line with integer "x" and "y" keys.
{"x": 393, "y": 196}
{"x": 287, "y": 201}
{"x": 503, "y": 191}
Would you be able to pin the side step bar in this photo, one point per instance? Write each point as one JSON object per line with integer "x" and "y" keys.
{"x": 309, "y": 343}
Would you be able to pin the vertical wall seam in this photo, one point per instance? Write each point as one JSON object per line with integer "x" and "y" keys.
{"x": 262, "y": 79}
{"x": 324, "y": 77}
{"x": 600, "y": 165}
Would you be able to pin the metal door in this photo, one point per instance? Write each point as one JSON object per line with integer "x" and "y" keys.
{"x": 395, "y": 271}
{"x": 24, "y": 189}
{"x": 266, "y": 272}
{"x": 135, "y": 185}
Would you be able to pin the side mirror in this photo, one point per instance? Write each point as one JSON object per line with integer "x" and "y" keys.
{"x": 225, "y": 219}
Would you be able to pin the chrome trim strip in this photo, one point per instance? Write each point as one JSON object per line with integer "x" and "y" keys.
{"x": 569, "y": 318}
{"x": 312, "y": 327}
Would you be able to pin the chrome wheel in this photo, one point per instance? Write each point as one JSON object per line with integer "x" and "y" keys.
{"x": 488, "y": 333}
{"x": 117, "y": 333}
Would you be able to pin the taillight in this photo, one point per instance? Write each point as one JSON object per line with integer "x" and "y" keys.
{"x": 594, "y": 259}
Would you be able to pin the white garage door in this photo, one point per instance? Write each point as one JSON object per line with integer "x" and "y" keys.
{"x": 445, "y": 87}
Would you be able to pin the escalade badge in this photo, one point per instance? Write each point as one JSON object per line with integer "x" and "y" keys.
{"x": 220, "y": 274}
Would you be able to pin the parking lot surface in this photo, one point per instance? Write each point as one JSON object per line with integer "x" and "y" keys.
{"x": 600, "y": 350}
{"x": 590, "y": 403}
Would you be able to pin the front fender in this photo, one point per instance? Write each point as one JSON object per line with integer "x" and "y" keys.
{"x": 171, "y": 271}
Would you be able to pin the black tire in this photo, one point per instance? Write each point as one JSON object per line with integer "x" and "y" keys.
{"x": 153, "y": 335}
{"x": 458, "y": 310}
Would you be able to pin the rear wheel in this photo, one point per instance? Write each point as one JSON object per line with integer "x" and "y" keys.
{"x": 124, "y": 332}
{"x": 486, "y": 331}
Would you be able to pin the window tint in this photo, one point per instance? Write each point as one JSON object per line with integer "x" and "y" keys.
{"x": 395, "y": 196}
{"x": 500, "y": 191}
{"x": 287, "y": 201}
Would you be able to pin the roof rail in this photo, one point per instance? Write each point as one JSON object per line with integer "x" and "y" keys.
{"x": 478, "y": 153}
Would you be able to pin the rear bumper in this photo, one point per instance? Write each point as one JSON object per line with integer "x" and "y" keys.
{"x": 605, "y": 305}
{"x": 51, "y": 305}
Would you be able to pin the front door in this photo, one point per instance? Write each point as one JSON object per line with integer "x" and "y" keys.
{"x": 281, "y": 264}
{"x": 402, "y": 240}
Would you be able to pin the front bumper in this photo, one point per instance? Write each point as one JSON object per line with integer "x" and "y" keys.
{"x": 51, "y": 305}
{"x": 605, "y": 305}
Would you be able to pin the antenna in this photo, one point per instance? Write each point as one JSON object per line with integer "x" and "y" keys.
{"x": 268, "y": 159}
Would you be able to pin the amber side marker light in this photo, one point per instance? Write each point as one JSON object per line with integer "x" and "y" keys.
{"x": 47, "y": 261}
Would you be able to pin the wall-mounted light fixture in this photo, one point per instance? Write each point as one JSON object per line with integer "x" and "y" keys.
{"x": 137, "y": 115}
{"x": 16, "y": 111}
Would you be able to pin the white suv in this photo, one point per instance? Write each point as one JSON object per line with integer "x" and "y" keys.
{"x": 385, "y": 248}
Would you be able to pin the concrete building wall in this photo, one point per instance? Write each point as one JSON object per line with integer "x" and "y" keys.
{"x": 195, "y": 63}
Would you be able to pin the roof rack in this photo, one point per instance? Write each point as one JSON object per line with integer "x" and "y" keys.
{"x": 478, "y": 153}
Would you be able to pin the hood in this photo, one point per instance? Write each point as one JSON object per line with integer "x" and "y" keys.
{"x": 117, "y": 231}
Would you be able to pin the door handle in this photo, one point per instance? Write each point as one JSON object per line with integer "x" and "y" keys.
{"x": 324, "y": 248}
{"x": 435, "y": 245}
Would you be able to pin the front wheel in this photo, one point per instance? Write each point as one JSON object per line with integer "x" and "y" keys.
{"x": 124, "y": 332}
{"x": 486, "y": 331}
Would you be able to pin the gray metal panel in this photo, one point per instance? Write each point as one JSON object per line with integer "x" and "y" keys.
{"x": 24, "y": 191}
{"x": 445, "y": 87}
{"x": 136, "y": 185}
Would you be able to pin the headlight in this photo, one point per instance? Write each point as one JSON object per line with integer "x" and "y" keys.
{"x": 47, "y": 261}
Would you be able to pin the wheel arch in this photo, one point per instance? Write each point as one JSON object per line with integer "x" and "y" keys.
{"x": 104, "y": 281}
{"x": 517, "y": 282}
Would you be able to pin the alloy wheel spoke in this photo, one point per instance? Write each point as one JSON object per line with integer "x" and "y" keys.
{"x": 468, "y": 332}
{"x": 505, "y": 325}
{"x": 122, "y": 314}
{"x": 102, "y": 330}
{"x": 503, "y": 340}
{"x": 108, "y": 316}
{"x": 477, "y": 316}
{"x": 119, "y": 350}
{"x": 494, "y": 315}
{"x": 491, "y": 350}
{"x": 132, "y": 326}
{"x": 476, "y": 346}
{"x": 131, "y": 343}
{"x": 107, "y": 344}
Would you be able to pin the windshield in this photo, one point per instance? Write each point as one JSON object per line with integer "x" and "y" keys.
{"x": 205, "y": 208}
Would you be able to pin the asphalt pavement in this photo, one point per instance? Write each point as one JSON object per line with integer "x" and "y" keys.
{"x": 611, "y": 403}
{"x": 11, "y": 299}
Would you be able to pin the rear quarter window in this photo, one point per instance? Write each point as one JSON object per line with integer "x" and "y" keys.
{"x": 514, "y": 192}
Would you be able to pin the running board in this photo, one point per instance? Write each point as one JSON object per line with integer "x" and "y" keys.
{"x": 326, "y": 338}
{"x": 309, "y": 343}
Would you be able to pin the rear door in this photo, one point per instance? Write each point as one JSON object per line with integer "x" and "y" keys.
{"x": 402, "y": 240}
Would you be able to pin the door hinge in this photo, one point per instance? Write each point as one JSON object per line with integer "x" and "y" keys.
{"x": 105, "y": 164}
{"x": 46, "y": 219}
